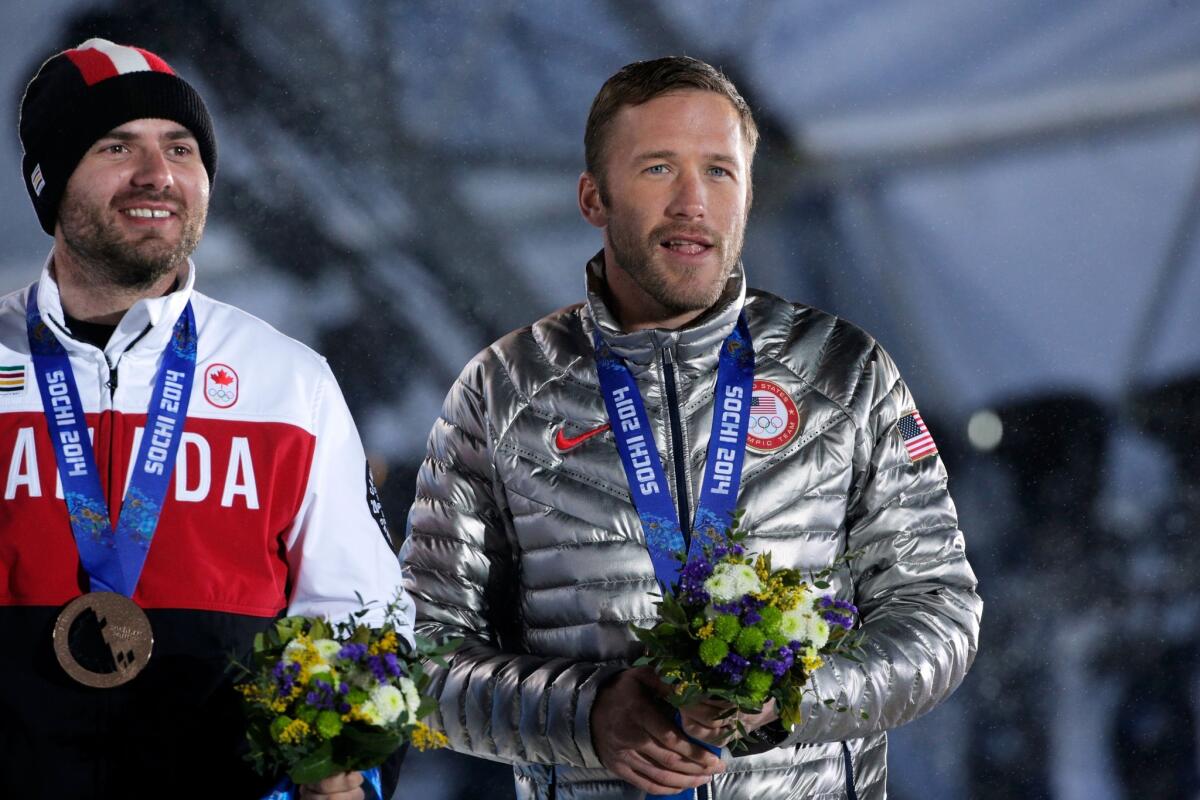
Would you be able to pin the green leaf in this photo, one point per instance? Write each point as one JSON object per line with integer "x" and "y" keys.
{"x": 320, "y": 629}
{"x": 314, "y": 767}
{"x": 362, "y": 748}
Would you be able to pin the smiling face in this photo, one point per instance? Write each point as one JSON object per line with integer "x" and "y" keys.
{"x": 134, "y": 208}
{"x": 677, "y": 192}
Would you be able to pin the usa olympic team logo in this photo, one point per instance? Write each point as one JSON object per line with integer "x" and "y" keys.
{"x": 774, "y": 420}
{"x": 220, "y": 385}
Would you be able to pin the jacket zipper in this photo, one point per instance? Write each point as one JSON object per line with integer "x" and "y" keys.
{"x": 682, "y": 482}
{"x": 112, "y": 444}
{"x": 678, "y": 457}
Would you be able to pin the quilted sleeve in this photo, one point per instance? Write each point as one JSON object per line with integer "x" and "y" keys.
{"x": 912, "y": 583}
{"x": 495, "y": 701}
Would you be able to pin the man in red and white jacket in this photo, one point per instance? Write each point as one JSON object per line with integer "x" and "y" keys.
{"x": 270, "y": 507}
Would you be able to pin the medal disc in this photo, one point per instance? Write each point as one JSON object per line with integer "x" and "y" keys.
{"x": 103, "y": 639}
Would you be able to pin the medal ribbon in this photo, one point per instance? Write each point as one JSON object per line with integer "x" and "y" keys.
{"x": 113, "y": 559}
{"x": 372, "y": 787}
{"x": 648, "y": 481}
{"x": 648, "y": 488}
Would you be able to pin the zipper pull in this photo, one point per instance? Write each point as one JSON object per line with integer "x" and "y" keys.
{"x": 112, "y": 379}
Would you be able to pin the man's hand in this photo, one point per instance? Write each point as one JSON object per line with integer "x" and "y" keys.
{"x": 637, "y": 739}
{"x": 343, "y": 786}
{"x": 715, "y": 721}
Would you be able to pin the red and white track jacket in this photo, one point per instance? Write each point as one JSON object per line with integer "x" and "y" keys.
{"x": 270, "y": 508}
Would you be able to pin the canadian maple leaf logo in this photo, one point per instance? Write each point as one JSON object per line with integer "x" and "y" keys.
{"x": 222, "y": 377}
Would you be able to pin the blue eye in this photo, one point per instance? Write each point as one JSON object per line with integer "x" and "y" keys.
{"x": 719, "y": 172}
{"x": 657, "y": 169}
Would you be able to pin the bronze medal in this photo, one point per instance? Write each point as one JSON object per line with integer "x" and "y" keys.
{"x": 103, "y": 639}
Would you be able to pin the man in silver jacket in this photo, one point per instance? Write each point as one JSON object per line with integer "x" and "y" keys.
{"x": 525, "y": 542}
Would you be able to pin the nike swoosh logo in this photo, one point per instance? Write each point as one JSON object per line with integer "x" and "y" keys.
{"x": 565, "y": 443}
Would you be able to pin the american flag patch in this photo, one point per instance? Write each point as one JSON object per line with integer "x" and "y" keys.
{"x": 917, "y": 440}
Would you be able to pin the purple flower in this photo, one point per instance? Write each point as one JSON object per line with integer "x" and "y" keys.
{"x": 392, "y": 665}
{"x": 321, "y": 696}
{"x": 774, "y": 666}
{"x": 733, "y": 668}
{"x": 691, "y": 582}
{"x": 352, "y": 652}
{"x": 838, "y": 612}
{"x": 285, "y": 674}
{"x": 379, "y": 667}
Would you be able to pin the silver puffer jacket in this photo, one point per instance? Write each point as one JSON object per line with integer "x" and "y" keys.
{"x": 536, "y": 556}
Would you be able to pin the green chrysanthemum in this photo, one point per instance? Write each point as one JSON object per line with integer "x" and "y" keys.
{"x": 758, "y": 683}
{"x": 713, "y": 651}
{"x": 771, "y": 617}
{"x": 279, "y": 725}
{"x": 749, "y": 641}
{"x": 727, "y": 627}
{"x": 329, "y": 724}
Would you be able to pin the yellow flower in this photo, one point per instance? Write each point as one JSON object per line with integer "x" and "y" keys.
{"x": 358, "y": 713}
{"x": 266, "y": 697}
{"x": 776, "y": 593}
{"x": 811, "y": 662}
{"x": 386, "y": 644}
{"x": 760, "y": 568}
{"x": 294, "y": 732}
{"x": 426, "y": 738}
{"x": 706, "y": 632}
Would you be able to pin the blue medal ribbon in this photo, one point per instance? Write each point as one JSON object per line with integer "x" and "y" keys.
{"x": 113, "y": 558}
{"x": 648, "y": 488}
{"x": 372, "y": 787}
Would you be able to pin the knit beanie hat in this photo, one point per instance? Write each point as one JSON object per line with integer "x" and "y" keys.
{"x": 80, "y": 95}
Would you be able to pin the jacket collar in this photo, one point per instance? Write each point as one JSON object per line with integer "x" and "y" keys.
{"x": 695, "y": 347}
{"x": 149, "y": 322}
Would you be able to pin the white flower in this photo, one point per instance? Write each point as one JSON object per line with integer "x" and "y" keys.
{"x": 805, "y": 624}
{"x": 371, "y": 713}
{"x": 388, "y": 703}
{"x": 326, "y": 649}
{"x": 731, "y": 581}
{"x": 412, "y": 698}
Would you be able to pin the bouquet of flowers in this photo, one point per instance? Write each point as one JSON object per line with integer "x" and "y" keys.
{"x": 324, "y": 698}
{"x": 739, "y": 631}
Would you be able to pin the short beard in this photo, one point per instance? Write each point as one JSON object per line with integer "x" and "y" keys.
{"x": 636, "y": 257}
{"x": 108, "y": 258}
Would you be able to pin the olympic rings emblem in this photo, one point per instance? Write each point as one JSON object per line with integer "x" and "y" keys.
{"x": 770, "y": 425}
{"x": 774, "y": 419}
{"x": 221, "y": 385}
